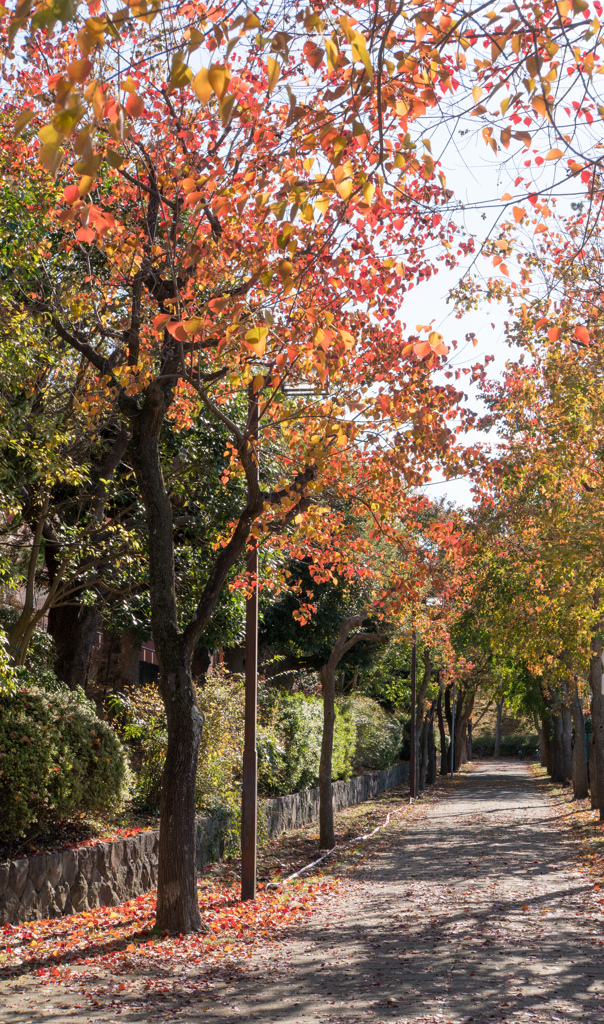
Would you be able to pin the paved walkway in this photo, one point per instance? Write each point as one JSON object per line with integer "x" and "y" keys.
{"x": 473, "y": 912}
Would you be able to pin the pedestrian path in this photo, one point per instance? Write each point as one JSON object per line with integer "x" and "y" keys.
{"x": 471, "y": 911}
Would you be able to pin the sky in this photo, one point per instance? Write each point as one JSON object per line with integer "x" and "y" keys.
{"x": 478, "y": 179}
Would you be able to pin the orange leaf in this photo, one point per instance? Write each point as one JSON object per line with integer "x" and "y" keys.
{"x": 130, "y": 948}
{"x": 554, "y": 334}
{"x": 422, "y": 349}
{"x": 518, "y": 212}
{"x": 71, "y": 193}
{"x": 582, "y": 335}
{"x": 135, "y": 105}
{"x": 177, "y": 330}
{"x": 554, "y": 154}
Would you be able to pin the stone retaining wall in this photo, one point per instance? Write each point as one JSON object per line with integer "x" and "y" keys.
{"x": 107, "y": 874}
{"x": 287, "y": 812}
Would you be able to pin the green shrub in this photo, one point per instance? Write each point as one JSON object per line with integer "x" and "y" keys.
{"x": 57, "y": 758}
{"x": 510, "y": 745}
{"x": 143, "y": 722}
{"x": 289, "y": 742}
{"x": 379, "y": 736}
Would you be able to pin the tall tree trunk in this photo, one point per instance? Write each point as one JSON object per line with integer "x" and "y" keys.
{"x": 431, "y": 772}
{"x": 128, "y": 666}
{"x": 343, "y": 644}
{"x": 74, "y": 629}
{"x": 597, "y": 720}
{"x": 558, "y": 750}
{"x": 593, "y": 770}
{"x": 177, "y": 902}
{"x": 469, "y": 742}
{"x": 443, "y": 736}
{"x": 497, "y": 750}
{"x": 546, "y": 744}
{"x": 579, "y": 766}
{"x": 567, "y": 736}
{"x": 419, "y": 710}
{"x": 327, "y": 838}
{"x": 423, "y": 771}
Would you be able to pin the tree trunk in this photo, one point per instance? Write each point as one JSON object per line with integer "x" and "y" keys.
{"x": 443, "y": 735}
{"x": 497, "y": 750}
{"x": 546, "y": 745}
{"x": 128, "y": 669}
{"x": 343, "y": 644}
{"x": 431, "y": 772}
{"x": 423, "y": 772}
{"x": 558, "y": 750}
{"x": 463, "y": 711}
{"x": 419, "y": 710}
{"x": 74, "y": 629}
{"x": 177, "y": 902}
{"x": 593, "y": 771}
{"x": 469, "y": 742}
{"x": 597, "y": 721}
{"x": 327, "y": 839}
{"x": 567, "y": 737}
{"x": 579, "y": 760}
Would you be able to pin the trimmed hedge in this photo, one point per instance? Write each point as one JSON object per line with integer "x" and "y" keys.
{"x": 57, "y": 759}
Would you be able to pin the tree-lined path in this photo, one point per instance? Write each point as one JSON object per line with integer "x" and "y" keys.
{"x": 473, "y": 909}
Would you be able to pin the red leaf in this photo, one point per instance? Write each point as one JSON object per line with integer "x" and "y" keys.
{"x": 71, "y": 193}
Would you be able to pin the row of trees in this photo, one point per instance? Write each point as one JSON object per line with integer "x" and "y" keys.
{"x": 213, "y": 218}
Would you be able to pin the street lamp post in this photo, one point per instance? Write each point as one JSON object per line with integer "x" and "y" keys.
{"x": 249, "y": 796}
{"x": 453, "y": 734}
{"x": 412, "y": 759}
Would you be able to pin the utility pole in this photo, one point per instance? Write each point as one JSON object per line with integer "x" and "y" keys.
{"x": 413, "y": 759}
{"x": 249, "y": 796}
{"x": 453, "y": 734}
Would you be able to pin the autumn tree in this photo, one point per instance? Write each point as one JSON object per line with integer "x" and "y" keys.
{"x": 223, "y": 185}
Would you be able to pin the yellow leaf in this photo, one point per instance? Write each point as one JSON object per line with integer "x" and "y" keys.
{"x": 274, "y": 74}
{"x": 201, "y": 86}
{"x": 344, "y": 188}
{"x": 23, "y": 119}
{"x": 226, "y": 108}
{"x": 359, "y": 52}
{"x": 256, "y": 340}
{"x": 219, "y": 78}
{"x": 476, "y": 93}
{"x": 332, "y": 54}
{"x": 322, "y": 204}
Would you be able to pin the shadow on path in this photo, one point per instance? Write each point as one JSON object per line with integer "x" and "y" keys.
{"x": 471, "y": 910}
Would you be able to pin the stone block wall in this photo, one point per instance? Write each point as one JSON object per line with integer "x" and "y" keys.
{"x": 107, "y": 874}
{"x": 297, "y": 809}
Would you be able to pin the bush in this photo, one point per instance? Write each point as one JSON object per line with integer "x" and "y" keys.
{"x": 289, "y": 742}
{"x": 57, "y": 758}
{"x": 379, "y": 736}
{"x": 528, "y": 743}
{"x": 143, "y": 721}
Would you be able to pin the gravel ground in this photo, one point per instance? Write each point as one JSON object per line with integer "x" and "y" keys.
{"x": 472, "y": 908}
